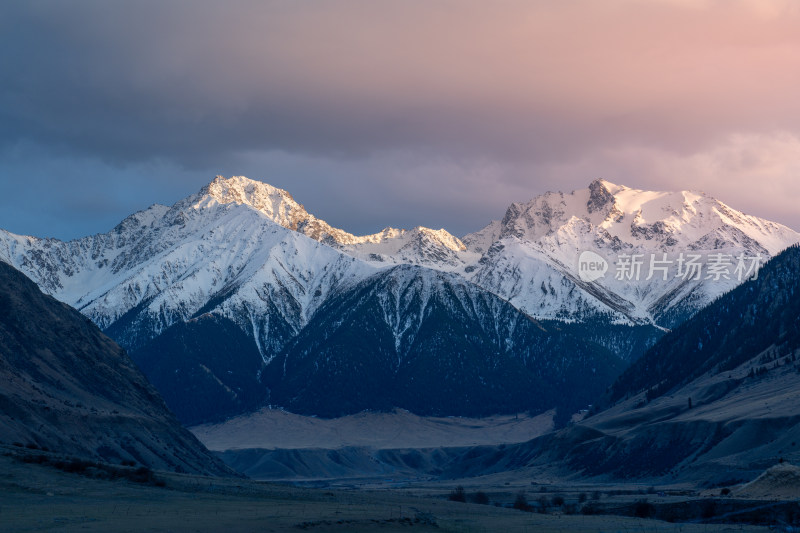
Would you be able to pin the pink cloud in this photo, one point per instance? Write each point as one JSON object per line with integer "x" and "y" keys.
{"x": 418, "y": 105}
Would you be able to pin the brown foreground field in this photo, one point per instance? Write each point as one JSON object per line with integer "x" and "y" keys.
{"x": 41, "y": 497}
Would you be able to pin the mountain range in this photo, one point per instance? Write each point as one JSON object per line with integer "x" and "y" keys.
{"x": 300, "y": 314}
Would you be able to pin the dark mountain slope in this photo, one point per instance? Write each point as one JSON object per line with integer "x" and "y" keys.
{"x": 206, "y": 369}
{"x": 736, "y": 427}
{"x": 628, "y": 342}
{"x": 715, "y": 401}
{"x": 434, "y": 344}
{"x": 753, "y": 317}
{"x": 68, "y": 387}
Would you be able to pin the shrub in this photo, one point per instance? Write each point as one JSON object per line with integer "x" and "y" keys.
{"x": 521, "y": 501}
{"x": 582, "y": 497}
{"x": 557, "y": 501}
{"x": 544, "y": 503}
{"x": 481, "y": 498}
{"x": 458, "y": 495}
{"x": 74, "y": 466}
{"x": 142, "y": 475}
{"x": 643, "y": 509}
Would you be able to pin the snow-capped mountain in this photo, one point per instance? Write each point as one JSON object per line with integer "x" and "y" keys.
{"x": 531, "y": 256}
{"x": 237, "y": 243}
{"x": 435, "y": 248}
{"x": 251, "y": 253}
{"x": 247, "y": 255}
{"x": 203, "y": 254}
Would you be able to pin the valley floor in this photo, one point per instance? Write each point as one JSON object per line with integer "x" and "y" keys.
{"x": 35, "y": 497}
{"x": 271, "y": 429}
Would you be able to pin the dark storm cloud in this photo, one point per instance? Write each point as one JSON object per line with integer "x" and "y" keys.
{"x": 419, "y": 107}
{"x": 190, "y": 81}
{"x": 196, "y": 80}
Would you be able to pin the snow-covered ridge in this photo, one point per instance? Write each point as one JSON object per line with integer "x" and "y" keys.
{"x": 420, "y": 245}
{"x": 670, "y": 219}
{"x": 280, "y": 207}
{"x": 249, "y": 251}
{"x": 164, "y": 265}
{"x": 531, "y": 256}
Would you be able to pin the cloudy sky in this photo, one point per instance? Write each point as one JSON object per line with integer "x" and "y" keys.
{"x": 376, "y": 113}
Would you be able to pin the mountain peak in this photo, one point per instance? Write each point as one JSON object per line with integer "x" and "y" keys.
{"x": 601, "y": 195}
{"x": 280, "y": 207}
{"x": 244, "y": 185}
{"x": 612, "y": 188}
{"x": 276, "y": 203}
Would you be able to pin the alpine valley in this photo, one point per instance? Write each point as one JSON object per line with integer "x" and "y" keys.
{"x": 236, "y": 298}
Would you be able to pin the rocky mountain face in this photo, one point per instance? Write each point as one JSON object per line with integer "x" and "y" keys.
{"x": 531, "y": 257}
{"x": 250, "y": 257}
{"x": 69, "y": 388}
{"x": 434, "y": 344}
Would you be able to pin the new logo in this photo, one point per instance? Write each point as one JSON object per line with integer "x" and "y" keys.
{"x": 591, "y": 266}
